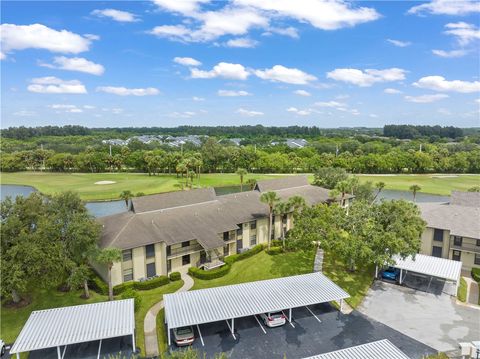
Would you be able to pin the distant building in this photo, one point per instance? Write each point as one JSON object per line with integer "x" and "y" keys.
{"x": 181, "y": 140}
{"x": 231, "y": 141}
{"x": 291, "y": 142}
{"x": 115, "y": 142}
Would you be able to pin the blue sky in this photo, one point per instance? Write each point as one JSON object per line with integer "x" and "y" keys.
{"x": 273, "y": 62}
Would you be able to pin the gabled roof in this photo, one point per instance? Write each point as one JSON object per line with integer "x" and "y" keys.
{"x": 467, "y": 199}
{"x": 281, "y": 183}
{"x": 76, "y": 324}
{"x": 172, "y": 199}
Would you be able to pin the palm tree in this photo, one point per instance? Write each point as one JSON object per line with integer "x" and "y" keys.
{"x": 126, "y": 196}
{"x": 379, "y": 186}
{"x": 109, "y": 256}
{"x": 297, "y": 203}
{"x": 281, "y": 209}
{"x": 343, "y": 187}
{"x": 270, "y": 199}
{"x": 251, "y": 183}
{"x": 241, "y": 172}
{"x": 415, "y": 188}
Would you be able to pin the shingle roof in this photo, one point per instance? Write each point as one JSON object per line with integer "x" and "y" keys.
{"x": 281, "y": 183}
{"x": 468, "y": 199}
{"x": 381, "y": 349}
{"x": 461, "y": 221}
{"x": 172, "y": 199}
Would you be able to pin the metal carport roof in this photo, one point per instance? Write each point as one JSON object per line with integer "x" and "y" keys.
{"x": 76, "y": 324}
{"x": 241, "y": 300}
{"x": 380, "y": 349}
{"x": 433, "y": 266}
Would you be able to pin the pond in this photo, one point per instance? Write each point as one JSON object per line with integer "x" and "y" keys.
{"x": 106, "y": 208}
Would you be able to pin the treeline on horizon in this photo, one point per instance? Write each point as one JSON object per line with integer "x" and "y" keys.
{"x": 395, "y": 131}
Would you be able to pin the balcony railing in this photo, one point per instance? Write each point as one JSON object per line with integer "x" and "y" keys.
{"x": 175, "y": 252}
{"x": 471, "y": 247}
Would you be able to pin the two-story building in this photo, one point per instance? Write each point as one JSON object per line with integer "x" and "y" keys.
{"x": 453, "y": 229}
{"x": 173, "y": 231}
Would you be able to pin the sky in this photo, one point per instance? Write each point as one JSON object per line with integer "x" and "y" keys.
{"x": 167, "y": 63}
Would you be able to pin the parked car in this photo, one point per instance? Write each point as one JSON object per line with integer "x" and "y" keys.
{"x": 2, "y": 347}
{"x": 183, "y": 336}
{"x": 391, "y": 273}
{"x": 273, "y": 319}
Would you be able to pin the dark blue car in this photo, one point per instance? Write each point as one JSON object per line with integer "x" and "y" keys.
{"x": 391, "y": 274}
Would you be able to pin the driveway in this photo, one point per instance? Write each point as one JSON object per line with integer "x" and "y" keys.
{"x": 308, "y": 337}
{"x": 435, "y": 320}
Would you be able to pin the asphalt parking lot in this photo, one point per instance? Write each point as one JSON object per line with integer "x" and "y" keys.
{"x": 308, "y": 337}
{"x": 433, "y": 319}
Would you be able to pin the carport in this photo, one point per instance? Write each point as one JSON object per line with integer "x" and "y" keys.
{"x": 380, "y": 349}
{"x": 61, "y": 327}
{"x": 248, "y": 299}
{"x": 434, "y": 267}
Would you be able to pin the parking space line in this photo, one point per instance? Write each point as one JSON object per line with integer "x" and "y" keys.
{"x": 313, "y": 314}
{"x": 200, "y": 334}
{"x": 231, "y": 332}
{"x": 288, "y": 319}
{"x": 260, "y": 324}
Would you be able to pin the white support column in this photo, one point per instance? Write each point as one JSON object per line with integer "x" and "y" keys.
{"x": 18, "y": 355}
{"x": 168, "y": 335}
{"x": 341, "y": 305}
{"x": 401, "y": 273}
{"x": 133, "y": 342}
{"x": 233, "y": 326}
{"x": 290, "y": 315}
{"x": 99, "y": 349}
{"x": 64, "y": 350}
{"x": 376, "y": 271}
{"x": 58, "y": 353}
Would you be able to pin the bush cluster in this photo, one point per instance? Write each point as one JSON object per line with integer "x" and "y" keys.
{"x": 145, "y": 285}
{"x": 476, "y": 274}
{"x": 462, "y": 291}
{"x": 174, "y": 276}
{"x": 274, "y": 250}
{"x": 97, "y": 284}
{"x": 130, "y": 293}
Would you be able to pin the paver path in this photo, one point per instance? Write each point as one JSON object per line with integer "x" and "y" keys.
{"x": 473, "y": 293}
{"x": 150, "y": 322}
{"x": 318, "y": 263}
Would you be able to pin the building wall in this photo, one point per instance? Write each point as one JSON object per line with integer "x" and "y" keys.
{"x": 139, "y": 263}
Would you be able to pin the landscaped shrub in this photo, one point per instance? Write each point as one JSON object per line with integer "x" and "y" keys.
{"x": 120, "y": 288}
{"x": 462, "y": 290}
{"x": 276, "y": 243}
{"x": 174, "y": 276}
{"x": 476, "y": 274}
{"x": 209, "y": 274}
{"x": 97, "y": 284}
{"x": 274, "y": 250}
{"x": 130, "y": 293}
{"x": 151, "y": 283}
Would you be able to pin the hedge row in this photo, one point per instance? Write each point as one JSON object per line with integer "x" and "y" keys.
{"x": 145, "y": 285}
{"x": 223, "y": 270}
{"x": 274, "y": 250}
{"x": 476, "y": 274}
{"x": 137, "y": 299}
{"x": 462, "y": 291}
{"x": 174, "y": 276}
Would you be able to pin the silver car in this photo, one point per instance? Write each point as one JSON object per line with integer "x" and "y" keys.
{"x": 183, "y": 336}
{"x": 273, "y": 319}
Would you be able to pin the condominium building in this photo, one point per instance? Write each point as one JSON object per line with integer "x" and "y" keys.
{"x": 173, "y": 231}
{"x": 453, "y": 229}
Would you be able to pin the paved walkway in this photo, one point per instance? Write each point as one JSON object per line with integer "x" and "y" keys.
{"x": 150, "y": 323}
{"x": 318, "y": 263}
{"x": 472, "y": 291}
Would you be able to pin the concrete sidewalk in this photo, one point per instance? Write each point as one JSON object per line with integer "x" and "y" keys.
{"x": 150, "y": 322}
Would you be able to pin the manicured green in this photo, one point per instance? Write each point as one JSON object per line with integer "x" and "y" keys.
{"x": 149, "y": 298}
{"x": 354, "y": 283}
{"x": 441, "y": 184}
{"x": 262, "y": 266}
{"x": 462, "y": 290}
{"x": 84, "y": 183}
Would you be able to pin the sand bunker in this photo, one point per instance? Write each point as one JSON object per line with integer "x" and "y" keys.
{"x": 105, "y": 182}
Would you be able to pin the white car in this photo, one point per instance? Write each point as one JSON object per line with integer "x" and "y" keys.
{"x": 2, "y": 347}
{"x": 183, "y": 336}
{"x": 274, "y": 319}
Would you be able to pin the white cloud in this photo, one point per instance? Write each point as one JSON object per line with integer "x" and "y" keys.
{"x": 391, "y": 91}
{"x": 37, "y": 36}
{"x": 184, "y": 114}
{"x": 287, "y": 31}
{"x": 444, "y": 111}
{"x": 447, "y": 7}
{"x": 180, "y": 6}
{"x": 241, "y": 42}
{"x": 367, "y": 77}
{"x": 302, "y": 93}
{"x": 92, "y": 37}
{"x": 60, "y": 108}
{"x": 331, "y": 104}
{"x": 198, "y": 99}
{"x": 463, "y": 32}
{"x": 54, "y": 85}
{"x": 89, "y": 107}
{"x": 477, "y": 100}
{"x": 450, "y": 54}
{"x": 299, "y": 112}
{"x": 279, "y": 73}
{"x": 187, "y": 61}
{"x": 399, "y": 43}
{"x": 24, "y": 113}
{"x": 325, "y": 15}
{"x": 117, "y": 15}
{"x": 373, "y": 115}
{"x": 439, "y": 83}
{"x": 231, "y": 93}
{"x": 123, "y": 91}
{"x": 223, "y": 70}
{"x": 175, "y": 32}
{"x": 426, "y": 98}
{"x": 76, "y": 64}
{"x": 249, "y": 113}
{"x": 2, "y": 56}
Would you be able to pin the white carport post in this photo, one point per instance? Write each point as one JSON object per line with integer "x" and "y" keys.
{"x": 18, "y": 355}
{"x": 376, "y": 271}
{"x": 99, "y": 349}
{"x": 341, "y": 305}
{"x": 168, "y": 334}
{"x": 58, "y": 353}
{"x": 290, "y": 315}
{"x": 401, "y": 272}
{"x": 233, "y": 326}
{"x": 133, "y": 342}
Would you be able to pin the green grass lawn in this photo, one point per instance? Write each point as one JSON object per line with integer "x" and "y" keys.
{"x": 84, "y": 183}
{"x": 149, "y": 298}
{"x": 441, "y": 184}
{"x": 355, "y": 283}
{"x": 462, "y": 290}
